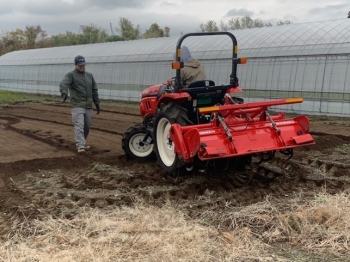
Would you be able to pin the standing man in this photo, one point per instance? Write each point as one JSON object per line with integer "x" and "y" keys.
{"x": 83, "y": 91}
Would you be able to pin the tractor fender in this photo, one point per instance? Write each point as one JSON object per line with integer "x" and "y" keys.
{"x": 150, "y": 91}
{"x": 173, "y": 97}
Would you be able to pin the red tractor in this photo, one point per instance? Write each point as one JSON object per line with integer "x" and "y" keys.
{"x": 207, "y": 124}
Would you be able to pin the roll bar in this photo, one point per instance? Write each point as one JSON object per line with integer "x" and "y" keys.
{"x": 235, "y": 60}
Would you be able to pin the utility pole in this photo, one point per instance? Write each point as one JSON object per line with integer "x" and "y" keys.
{"x": 111, "y": 28}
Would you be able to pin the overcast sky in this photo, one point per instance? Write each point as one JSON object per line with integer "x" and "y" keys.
{"x": 59, "y": 16}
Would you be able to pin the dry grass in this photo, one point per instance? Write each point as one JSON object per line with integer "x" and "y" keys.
{"x": 319, "y": 226}
{"x": 147, "y": 233}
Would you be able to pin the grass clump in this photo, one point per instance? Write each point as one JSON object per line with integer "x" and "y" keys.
{"x": 9, "y": 97}
{"x": 265, "y": 231}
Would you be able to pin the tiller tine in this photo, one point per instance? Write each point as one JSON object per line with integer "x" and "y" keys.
{"x": 242, "y": 129}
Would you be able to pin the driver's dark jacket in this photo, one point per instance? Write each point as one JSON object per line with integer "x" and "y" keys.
{"x": 82, "y": 88}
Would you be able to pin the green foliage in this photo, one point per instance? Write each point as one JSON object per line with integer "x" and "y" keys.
{"x": 89, "y": 35}
{"x": 210, "y": 26}
{"x": 154, "y": 31}
{"x": 92, "y": 34}
{"x": 114, "y": 38}
{"x": 12, "y": 41}
{"x": 166, "y": 31}
{"x": 34, "y": 34}
{"x": 69, "y": 38}
{"x": 287, "y": 22}
{"x": 232, "y": 24}
{"x": 35, "y": 37}
{"x": 7, "y": 97}
{"x": 127, "y": 29}
{"x": 247, "y": 22}
{"x": 30, "y": 38}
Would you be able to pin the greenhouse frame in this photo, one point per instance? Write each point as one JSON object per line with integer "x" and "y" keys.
{"x": 308, "y": 60}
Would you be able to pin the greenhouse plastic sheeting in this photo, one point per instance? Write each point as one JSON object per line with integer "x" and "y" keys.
{"x": 309, "y": 60}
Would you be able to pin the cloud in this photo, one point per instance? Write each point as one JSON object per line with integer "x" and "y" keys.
{"x": 64, "y": 7}
{"x": 329, "y": 12}
{"x": 181, "y": 16}
{"x": 239, "y": 12}
{"x": 328, "y": 9}
{"x": 177, "y": 23}
{"x": 113, "y": 4}
{"x": 168, "y": 5}
{"x": 6, "y": 8}
{"x": 46, "y": 8}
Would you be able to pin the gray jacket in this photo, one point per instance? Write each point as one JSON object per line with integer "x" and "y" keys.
{"x": 82, "y": 88}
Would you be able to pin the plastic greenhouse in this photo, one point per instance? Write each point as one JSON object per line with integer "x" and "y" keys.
{"x": 308, "y": 60}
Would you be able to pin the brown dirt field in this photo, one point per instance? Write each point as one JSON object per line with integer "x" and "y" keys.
{"x": 42, "y": 174}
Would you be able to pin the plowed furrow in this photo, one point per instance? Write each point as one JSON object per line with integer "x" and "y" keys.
{"x": 63, "y": 124}
{"x": 62, "y": 193}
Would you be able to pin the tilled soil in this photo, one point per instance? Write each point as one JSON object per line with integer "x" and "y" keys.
{"x": 42, "y": 174}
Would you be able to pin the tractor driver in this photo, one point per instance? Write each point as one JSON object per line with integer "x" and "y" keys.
{"x": 192, "y": 70}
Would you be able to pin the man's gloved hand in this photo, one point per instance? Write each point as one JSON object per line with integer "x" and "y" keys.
{"x": 64, "y": 96}
{"x": 98, "y": 108}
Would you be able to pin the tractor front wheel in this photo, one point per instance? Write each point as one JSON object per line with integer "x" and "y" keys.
{"x": 168, "y": 114}
{"x": 134, "y": 145}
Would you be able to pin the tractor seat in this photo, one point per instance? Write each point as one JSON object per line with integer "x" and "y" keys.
{"x": 201, "y": 83}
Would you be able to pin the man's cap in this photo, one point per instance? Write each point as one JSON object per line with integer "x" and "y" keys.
{"x": 79, "y": 60}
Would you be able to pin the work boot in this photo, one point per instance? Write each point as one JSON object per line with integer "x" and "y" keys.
{"x": 81, "y": 150}
{"x": 87, "y": 148}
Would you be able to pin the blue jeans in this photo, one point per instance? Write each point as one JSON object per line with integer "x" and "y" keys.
{"x": 82, "y": 119}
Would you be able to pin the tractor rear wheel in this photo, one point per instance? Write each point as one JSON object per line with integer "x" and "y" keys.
{"x": 133, "y": 145}
{"x": 168, "y": 114}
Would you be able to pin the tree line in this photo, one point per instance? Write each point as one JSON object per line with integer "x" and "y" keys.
{"x": 35, "y": 37}
{"x": 244, "y": 22}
